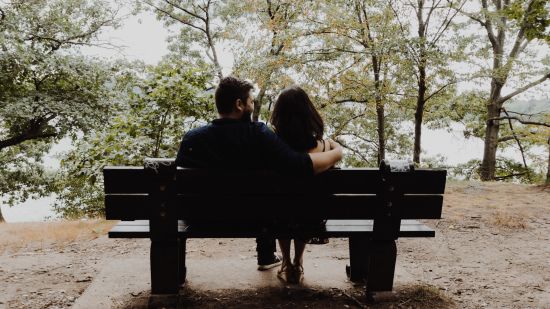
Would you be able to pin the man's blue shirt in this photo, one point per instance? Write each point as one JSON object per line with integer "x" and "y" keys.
{"x": 243, "y": 145}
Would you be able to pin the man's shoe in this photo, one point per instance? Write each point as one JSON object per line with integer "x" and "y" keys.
{"x": 276, "y": 261}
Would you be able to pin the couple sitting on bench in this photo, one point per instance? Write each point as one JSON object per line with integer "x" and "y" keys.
{"x": 233, "y": 141}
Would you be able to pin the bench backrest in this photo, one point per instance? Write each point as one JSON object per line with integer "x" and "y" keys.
{"x": 137, "y": 193}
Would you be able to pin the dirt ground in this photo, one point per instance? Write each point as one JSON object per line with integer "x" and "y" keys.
{"x": 491, "y": 249}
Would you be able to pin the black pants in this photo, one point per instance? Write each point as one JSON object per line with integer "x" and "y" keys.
{"x": 265, "y": 248}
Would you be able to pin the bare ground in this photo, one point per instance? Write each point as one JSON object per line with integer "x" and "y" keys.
{"x": 491, "y": 250}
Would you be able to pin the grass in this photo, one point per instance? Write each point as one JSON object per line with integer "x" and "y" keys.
{"x": 423, "y": 296}
{"x": 506, "y": 220}
{"x": 59, "y": 233}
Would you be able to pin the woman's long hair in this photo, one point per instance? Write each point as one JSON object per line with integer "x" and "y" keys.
{"x": 296, "y": 120}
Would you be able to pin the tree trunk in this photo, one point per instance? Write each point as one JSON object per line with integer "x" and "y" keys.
{"x": 380, "y": 118}
{"x": 258, "y": 104}
{"x": 418, "y": 130}
{"x": 548, "y": 170}
{"x": 381, "y": 135}
{"x": 1, "y": 217}
{"x": 421, "y": 95}
{"x": 488, "y": 165}
{"x": 420, "y": 101}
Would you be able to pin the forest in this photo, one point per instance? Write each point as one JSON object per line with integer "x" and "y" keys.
{"x": 379, "y": 72}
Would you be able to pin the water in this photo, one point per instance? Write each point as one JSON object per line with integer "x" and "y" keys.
{"x": 31, "y": 210}
{"x": 452, "y": 145}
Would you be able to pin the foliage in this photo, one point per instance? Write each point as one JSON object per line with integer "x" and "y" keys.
{"x": 47, "y": 89}
{"x": 199, "y": 28}
{"x": 158, "y": 108}
{"x": 507, "y": 170}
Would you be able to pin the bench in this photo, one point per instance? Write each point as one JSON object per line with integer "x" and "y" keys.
{"x": 370, "y": 207}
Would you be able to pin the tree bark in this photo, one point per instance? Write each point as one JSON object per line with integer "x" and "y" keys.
{"x": 548, "y": 169}
{"x": 488, "y": 164}
{"x": 380, "y": 118}
{"x": 34, "y": 129}
{"x": 258, "y": 104}
{"x": 421, "y": 95}
{"x": 418, "y": 126}
{"x": 1, "y": 217}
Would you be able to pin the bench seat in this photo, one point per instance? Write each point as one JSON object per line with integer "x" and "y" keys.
{"x": 334, "y": 228}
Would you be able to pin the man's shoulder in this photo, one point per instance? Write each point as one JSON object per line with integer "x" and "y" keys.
{"x": 198, "y": 131}
{"x": 260, "y": 127}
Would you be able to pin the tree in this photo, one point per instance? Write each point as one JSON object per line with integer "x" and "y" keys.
{"x": 510, "y": 27}
{"x": 199, "y": 24}
{"x": 154, "y": 111}
{"x": 262, "y": 55}
{"x": 362, "y": 32}
{"x": 429, "y": 51}
{"x": 47, "y": 89}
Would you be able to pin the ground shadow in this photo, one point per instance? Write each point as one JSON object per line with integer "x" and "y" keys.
{"x": 412, "y": 296}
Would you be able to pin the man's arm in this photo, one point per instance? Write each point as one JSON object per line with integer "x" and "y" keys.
{"x": 322, "y": 161}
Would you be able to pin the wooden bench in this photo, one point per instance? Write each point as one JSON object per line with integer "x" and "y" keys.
{"x": 370, "y": 207}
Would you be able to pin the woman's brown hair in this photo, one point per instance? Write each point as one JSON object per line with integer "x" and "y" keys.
{"x": 296, "y": 120}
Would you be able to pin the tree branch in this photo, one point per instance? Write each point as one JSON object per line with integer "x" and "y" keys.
{"x": 170, "y": 15}
{"x": 439, "y": 90}
{"x": 509, "y": 176}
{"x": 536, "y": 123}
{"x": 518, "y": 142}
{"x": 33, "y": 131}
{"x": 354, "y": 151}
{"x": 524, "y": 88}
{"x": 445, "y": 24}
{"x": 185, "y": 10}
{"x": 489, "y": 25}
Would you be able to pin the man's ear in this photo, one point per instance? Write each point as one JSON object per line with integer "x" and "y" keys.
{"x": 239, "y": 105}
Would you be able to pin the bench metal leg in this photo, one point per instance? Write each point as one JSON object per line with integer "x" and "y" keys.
{"x": 372, "y": 262}
{"x": 358, "y": 258}
{"x": 181, "y": 267}
{"x": 381, "y": 266}
{"x": 165, "y": 276}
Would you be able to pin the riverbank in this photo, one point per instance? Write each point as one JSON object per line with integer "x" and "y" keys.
{"x": 490, "y": 250}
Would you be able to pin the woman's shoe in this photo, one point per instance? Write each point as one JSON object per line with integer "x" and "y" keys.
{"x": 285, "y": 272}
{"x": 297, "y": 274}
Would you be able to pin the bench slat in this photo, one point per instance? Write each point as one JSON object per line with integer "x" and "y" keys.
{"x": 201, "y": 181}
{"x": 334, "y": 228}
{"x": 137, "y": 206}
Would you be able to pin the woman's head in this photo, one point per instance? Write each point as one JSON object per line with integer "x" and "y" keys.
{"x": 296, "y": 120}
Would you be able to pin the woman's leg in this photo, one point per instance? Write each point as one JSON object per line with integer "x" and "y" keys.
{"x": 298, "y": 268}
{"x": 299, "y": 248}
{"x": 284, "y": 244}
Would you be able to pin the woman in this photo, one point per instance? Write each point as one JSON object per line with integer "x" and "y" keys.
{"x": 298, "y": 123}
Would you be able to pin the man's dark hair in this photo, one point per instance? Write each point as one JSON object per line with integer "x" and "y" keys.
{"x": 230, "y": 90}
{"x": 296, "y": 120}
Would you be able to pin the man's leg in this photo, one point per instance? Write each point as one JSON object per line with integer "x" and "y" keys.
{"x": 266, "y": 248}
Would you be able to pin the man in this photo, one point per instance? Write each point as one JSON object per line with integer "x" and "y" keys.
{"x": 233, "y": 141}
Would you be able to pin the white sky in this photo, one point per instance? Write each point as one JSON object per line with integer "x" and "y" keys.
{"x": 141, "y": 37}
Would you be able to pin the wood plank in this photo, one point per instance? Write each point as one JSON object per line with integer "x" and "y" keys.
{"x": 124, "y": 230}
{"x": 343, "y": 206}
{"x": 329, "y": 222}
{"x": 202, "y": 181}
{"x": 124, "y": 179}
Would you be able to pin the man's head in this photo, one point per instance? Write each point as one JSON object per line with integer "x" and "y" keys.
{"x": 233, "y": 98}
